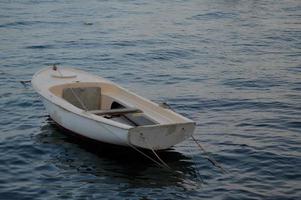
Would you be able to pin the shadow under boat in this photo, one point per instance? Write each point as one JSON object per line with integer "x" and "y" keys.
{"x": 118, "y": 162}
{"x": 118, "y": 153}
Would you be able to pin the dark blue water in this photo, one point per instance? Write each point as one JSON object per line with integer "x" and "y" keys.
{"x": 232, "y": 66}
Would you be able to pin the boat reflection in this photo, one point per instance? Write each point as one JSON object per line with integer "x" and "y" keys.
{"x": 116, "y": 163}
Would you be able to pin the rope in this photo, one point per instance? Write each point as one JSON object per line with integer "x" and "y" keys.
{"x": 197, "y": 174}
{"x": 139, "y": 151}
{"x": 214, "y": 162}
{"x": 164, "y": 163}
{"x": 154, "y": 152}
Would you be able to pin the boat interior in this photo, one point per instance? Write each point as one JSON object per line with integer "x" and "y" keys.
{"x": 102, "y": 100}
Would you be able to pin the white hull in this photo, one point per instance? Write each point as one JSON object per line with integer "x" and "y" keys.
{"x": 86, "y": 127}
{"x": 164, "y": 129}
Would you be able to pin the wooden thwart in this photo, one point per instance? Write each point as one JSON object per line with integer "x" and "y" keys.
{"x": 115, "y": 111}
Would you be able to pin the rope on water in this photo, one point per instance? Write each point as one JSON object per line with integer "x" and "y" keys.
{"x": 212, "y": 160}
{"x": 164, "y": 165}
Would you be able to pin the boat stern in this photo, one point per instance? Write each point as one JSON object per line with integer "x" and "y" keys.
{"x": 159, "y": 137}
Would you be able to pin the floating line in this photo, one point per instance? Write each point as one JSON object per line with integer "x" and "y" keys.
{"x": 212, "y": 160}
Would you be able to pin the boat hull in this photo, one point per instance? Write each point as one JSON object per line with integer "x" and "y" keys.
{"x": 86, "y": 127}
{"x": 148, "y": 137}
{"x": 153, "y": 127}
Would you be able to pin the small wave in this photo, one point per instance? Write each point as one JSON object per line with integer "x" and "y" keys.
{"x": 214, "y": 16}
{"x": 39, "y": 47}
{"x": 257, "y": 84}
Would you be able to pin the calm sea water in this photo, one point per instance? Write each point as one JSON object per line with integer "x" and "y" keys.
{"x": 232, "y": 66}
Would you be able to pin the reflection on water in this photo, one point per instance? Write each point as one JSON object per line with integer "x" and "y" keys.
{"x": 116, "y": 163}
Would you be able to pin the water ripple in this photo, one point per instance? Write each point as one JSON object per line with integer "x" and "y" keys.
{"x": 231, "y": 66}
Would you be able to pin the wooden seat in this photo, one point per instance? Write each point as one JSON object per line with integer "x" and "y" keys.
{"x": 115, "y": 111}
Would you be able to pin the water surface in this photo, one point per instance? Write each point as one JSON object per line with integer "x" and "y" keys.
{"x": 233, "y": 66}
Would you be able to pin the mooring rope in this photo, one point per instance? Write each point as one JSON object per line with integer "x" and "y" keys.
{"x": 138, "y": 150}
{"x": 163, "y": 165}
{"x": 196, "y": 165}
{"x": 212, "y": 160}
{"x": 154, "y": 152}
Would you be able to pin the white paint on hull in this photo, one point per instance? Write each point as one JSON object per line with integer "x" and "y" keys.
{"x": 85, "y": 126}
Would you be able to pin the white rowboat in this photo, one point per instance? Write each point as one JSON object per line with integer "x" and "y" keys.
{"x": 98, "y": 109}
